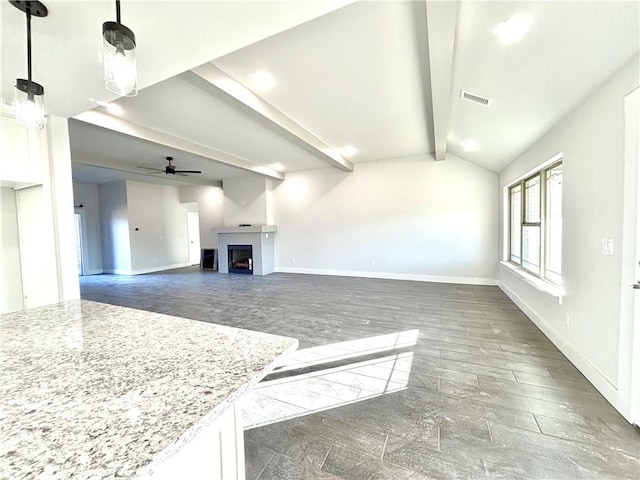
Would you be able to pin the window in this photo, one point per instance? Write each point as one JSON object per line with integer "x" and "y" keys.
{"x": 535, "y": 223}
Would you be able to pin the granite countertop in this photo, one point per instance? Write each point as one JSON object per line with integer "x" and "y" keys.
{"x": 94, "y": 391}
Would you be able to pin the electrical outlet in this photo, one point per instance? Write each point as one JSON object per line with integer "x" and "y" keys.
{"x": 293, "y": 260}
{"x": 372, "y": 263}
{"x": 566, "y": 320}
{"x": 607, "y": 246}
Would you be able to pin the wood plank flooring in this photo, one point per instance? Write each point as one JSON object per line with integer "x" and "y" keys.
{"x": 488, "y": 395}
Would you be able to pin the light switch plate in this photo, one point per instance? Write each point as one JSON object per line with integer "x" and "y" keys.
{"x": 607, "y": 246}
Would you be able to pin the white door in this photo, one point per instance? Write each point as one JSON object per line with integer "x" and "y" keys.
{"x": 193, "y": 233}
{"x": 632, "y": 134}
{"x": 630, "y": 321}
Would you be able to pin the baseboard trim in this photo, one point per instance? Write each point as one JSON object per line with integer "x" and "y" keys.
{"x": 142, "y": 271}
{"x": 391, "y": 276}
{"x": 95, "y": 271}
{"x": 598, "y": 379}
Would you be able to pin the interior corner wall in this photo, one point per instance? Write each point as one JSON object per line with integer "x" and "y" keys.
{"x": 157, "y": 227}
{"x": 87, "y": 195}
{"x": 61, "y": 191}
{"x": 245, "y": 200}
{"x": 587, "y": 326}
{"x": 114, "y": 226}
{"x": 210, "y": 202}
{"x": 409, "y": 218}
{"x": 10, "y": 270}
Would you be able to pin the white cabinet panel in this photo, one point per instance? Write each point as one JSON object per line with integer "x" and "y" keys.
{"x": 215, "y": 453}
{"x": 37, "y": 248}
{"x": 20, "y": 152}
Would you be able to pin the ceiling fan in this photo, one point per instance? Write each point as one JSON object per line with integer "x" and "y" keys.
{"x": 170, "y": 169}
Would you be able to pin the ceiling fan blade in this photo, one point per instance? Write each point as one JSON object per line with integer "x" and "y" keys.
{"x": 188, "y": 171}
{"x": 149, "y": 168}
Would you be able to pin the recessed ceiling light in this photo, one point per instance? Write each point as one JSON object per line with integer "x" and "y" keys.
{"x": 469, "y": 145}
{"x": 262, "y": 81}
{"x": 111, "y": 107}
{"x": 348, "y": 151}
{"x": 512, "y": 30}
{"x": 278, "y": 167}
{"x": 114, "y": 109}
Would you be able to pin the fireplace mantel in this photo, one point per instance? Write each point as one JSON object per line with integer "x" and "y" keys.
{"x": 260, "y": 237}
{"x": 249, "y": 229}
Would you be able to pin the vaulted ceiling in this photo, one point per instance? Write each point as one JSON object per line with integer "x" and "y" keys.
{"x": 381, "y": 77}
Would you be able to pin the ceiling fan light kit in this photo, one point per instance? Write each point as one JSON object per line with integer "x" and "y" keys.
{"x": 119, "y": 55}
{"x": 29, "y": 95}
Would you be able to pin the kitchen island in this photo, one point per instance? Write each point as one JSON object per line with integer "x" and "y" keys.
{"x": 96, "y": 391}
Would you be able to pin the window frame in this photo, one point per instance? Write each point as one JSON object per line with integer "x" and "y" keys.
{"x": 542, "y": 224}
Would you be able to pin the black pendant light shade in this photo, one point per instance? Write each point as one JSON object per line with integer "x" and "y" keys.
{"x": 29, "y": 95}
{"x": 119, "y": 55}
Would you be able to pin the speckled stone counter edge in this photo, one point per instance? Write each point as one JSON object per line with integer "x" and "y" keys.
{"x": 206, "y": 421}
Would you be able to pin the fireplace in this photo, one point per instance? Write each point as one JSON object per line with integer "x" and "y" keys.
{"x": 261, "y": 239}
{"x": 240, "y": 258}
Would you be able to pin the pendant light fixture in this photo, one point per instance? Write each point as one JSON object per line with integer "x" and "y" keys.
{"x": 119, "y": 54}
{"x": 28, "y": 105}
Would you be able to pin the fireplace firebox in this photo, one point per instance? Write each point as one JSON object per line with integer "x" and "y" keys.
{"x": 240, "y": 259}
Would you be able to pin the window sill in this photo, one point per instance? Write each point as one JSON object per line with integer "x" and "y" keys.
{"x": 539, "y": 284}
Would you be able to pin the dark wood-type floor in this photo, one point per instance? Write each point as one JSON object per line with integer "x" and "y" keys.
{"x": 488, "y": 396}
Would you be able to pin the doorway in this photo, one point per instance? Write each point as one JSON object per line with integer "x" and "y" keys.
{"x": 77, "y": 222}
{"x": 193, "y": 234}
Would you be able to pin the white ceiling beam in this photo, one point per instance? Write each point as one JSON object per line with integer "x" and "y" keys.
{"x": 214, "y": 81}
{"x": 442, "y": 28}
{"x": 97, "y": 161}
{"x": 105, "y": 120}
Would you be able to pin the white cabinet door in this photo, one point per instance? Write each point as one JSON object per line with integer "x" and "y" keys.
{"x": 20, "y": 152}
{"x": 37, "y": 248}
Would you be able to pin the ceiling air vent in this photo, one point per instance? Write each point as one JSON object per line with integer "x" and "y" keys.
{"x": 473, "y": 98}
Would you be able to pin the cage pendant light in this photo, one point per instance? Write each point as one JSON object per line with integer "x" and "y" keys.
{"x": 28, "y": 106}
{"x": 119, "y": 55}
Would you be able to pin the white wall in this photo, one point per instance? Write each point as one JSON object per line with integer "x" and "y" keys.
{"x": 210, "y": 204}
{"x": 245, "y": 200}
{"x": 157, "y": 227}
{"x": 10, "y": 271}
{"x": 87, "y": 195}
{"x": 114, "y": 225}
{"x": 592, "y": 141}
{"x": 409, "y": 218}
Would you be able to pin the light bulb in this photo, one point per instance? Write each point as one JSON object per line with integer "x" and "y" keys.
{"x": 120, "y": 70}
{"x": 28, "y": 112}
